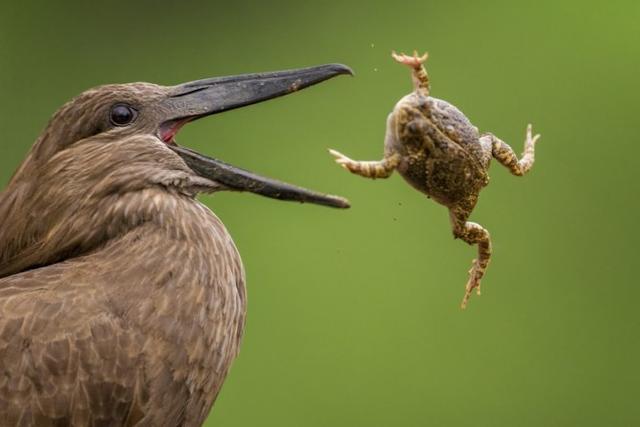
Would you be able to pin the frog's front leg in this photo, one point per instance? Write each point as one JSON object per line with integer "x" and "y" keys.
{"x": 368, "y": 169}
{"x": 473, "y": 234}
{"x": 505, "y": 154}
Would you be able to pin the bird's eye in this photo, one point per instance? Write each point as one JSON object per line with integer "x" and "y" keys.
{"x": 122, "y": 115}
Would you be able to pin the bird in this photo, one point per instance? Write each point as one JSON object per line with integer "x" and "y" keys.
{"x": 122, "y": 297}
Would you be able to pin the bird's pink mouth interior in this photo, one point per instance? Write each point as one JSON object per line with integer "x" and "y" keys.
{"x": 168, "y": 130}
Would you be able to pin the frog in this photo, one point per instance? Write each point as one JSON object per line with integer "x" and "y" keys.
{"x": 440, "y": 153}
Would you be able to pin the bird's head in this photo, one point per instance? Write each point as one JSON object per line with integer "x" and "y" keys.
{"x": 106, "y": 159}
{"x": 127, "y": 131}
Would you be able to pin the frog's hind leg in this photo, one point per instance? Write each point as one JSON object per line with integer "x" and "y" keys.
{"x": 368, "y": 169}
{"x": 419, "y": 72}
{"x": 473, "y": 234}
{"x": 507, "y": 157}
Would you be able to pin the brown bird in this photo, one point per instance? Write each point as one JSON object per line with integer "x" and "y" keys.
{"x": 122, "y": 298}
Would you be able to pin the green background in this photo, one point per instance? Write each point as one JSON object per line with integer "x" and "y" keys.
{"x": 354, "y": 315}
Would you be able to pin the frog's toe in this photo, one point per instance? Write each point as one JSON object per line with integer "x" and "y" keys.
{"x": 397, "y": 57}
{"x": 471, "y": 285}
{"x": 335, "y": 153}
{"x": 529, "y": 131}
{"x": 339, "y": 157}
{"x": 530, "y": 136}
{"x": 420, "y": 59}
{"x": 342, "y": 160}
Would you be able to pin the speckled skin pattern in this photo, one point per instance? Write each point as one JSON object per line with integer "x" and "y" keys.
{"x": 440, "y": 153}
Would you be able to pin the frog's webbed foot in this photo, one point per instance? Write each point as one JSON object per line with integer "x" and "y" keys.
{"x": 473, "y": 234}
{"x": 416, "y": 63}
{"x": 475, "y": 275}
{"x": 530, "y": 143}
{"x": 368, "y": 169}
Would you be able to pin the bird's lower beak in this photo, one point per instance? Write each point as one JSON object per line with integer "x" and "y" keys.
{"x": 193, "y": 100}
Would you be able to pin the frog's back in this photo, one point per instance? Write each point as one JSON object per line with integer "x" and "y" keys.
{"x": 439, "y": 149}
{"x": 454, "y": 124}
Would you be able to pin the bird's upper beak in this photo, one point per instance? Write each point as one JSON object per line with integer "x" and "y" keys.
{"x": 193, "y": 100}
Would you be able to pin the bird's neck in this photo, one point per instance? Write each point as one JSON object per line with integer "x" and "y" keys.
{"x": 180, "y": 259}
{"x": 180, "y": 281}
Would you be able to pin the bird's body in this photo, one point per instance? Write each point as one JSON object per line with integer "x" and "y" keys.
{"x": 122, "y": 298}
{"x": 155, "y": 334}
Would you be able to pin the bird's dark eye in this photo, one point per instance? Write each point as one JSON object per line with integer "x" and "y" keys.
{"x": 122, "y": 115}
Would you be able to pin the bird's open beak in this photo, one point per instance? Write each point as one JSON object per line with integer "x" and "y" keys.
{"x": 193, "y": 100}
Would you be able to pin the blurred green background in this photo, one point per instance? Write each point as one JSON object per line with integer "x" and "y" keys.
{"x": 354, "y": 315}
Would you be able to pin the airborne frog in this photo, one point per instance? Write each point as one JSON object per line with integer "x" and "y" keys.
{"x": 439, "y": 152}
